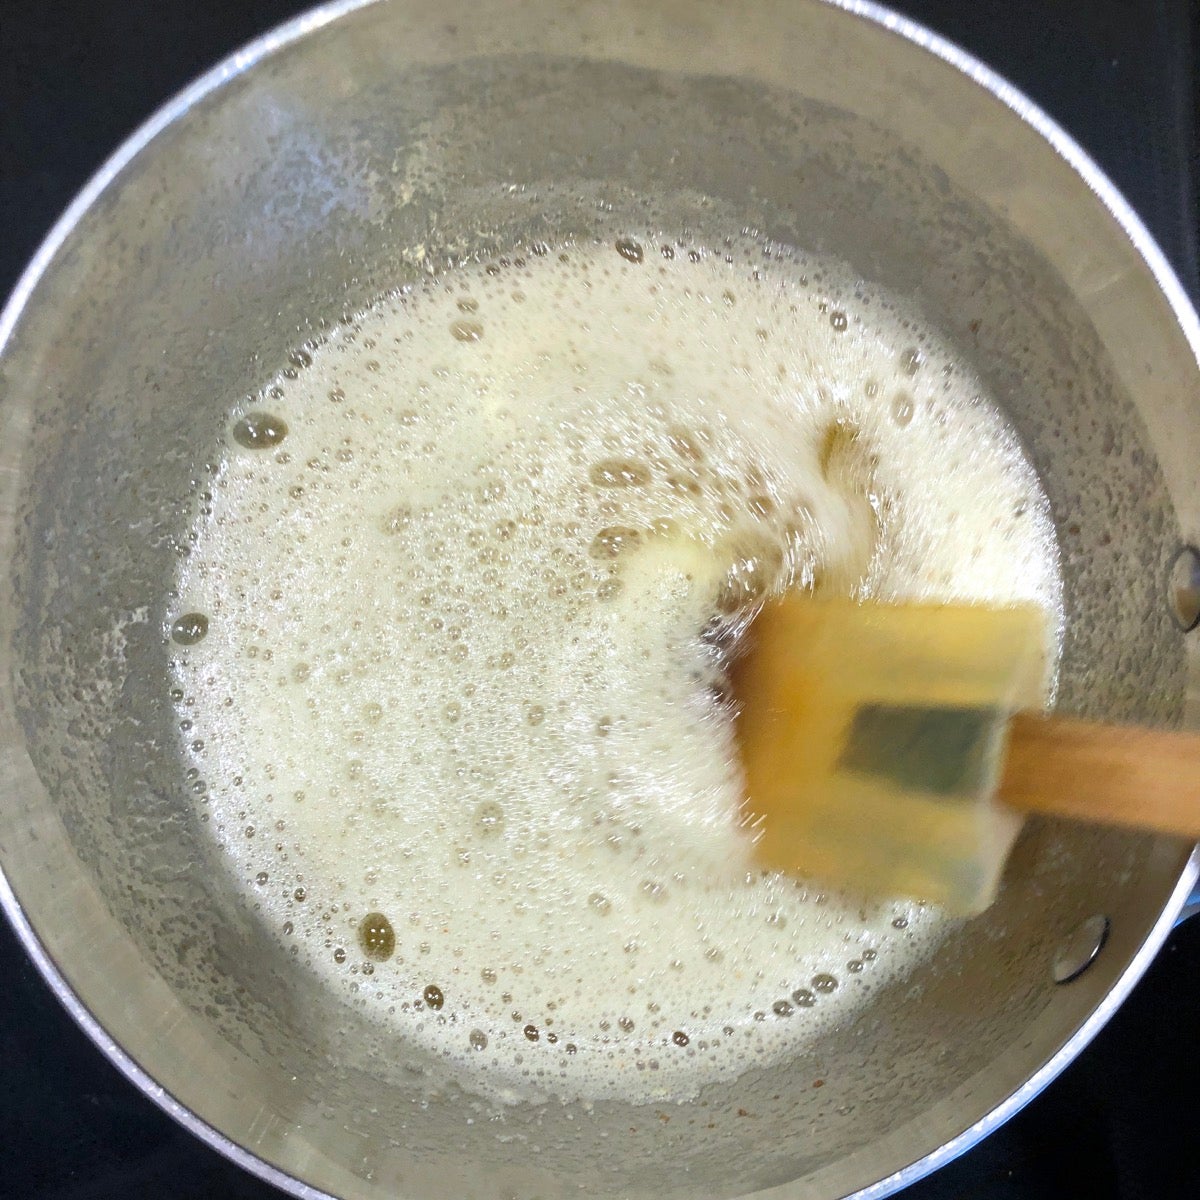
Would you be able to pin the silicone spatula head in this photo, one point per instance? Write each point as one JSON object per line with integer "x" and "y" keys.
{"x": 871, "y": 738}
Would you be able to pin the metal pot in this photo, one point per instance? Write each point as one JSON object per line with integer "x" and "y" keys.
{"x": 358, "y": 147}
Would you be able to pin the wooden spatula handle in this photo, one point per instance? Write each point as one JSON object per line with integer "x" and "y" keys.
{"x": 1109, "y": 774}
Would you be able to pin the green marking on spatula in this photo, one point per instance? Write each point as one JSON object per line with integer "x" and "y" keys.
{"x": 919, "y": 748}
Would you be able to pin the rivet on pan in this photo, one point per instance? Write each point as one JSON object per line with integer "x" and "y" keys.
{"x": 1183, "y": 589}
{"x": 1080, "y": 949}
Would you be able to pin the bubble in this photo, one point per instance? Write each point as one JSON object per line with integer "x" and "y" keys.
{"x": 396, "y": 520}
{"x": 433, "y": 996}
{"x": 825, "y": 984}
{"x": 339, "y": 955}
{"x": 478, "y": 1039}
{"x": 613, "y": 540}
{"x": 629, "y": 250}
{"x": 684, "y": 445}
{"x": 531, "y": 1033}
{"x": 902, "y": 409}
{"x": 466, "y": 331}
{"x": 781, "y": 1008}
{"x": 620, "y": 473}
{"x": 803, "y": 998}
{"x": 489, "y": 818}
{"x": 680, "y": 1038}
{"x": 259, "y": 430}
{"x": 911, "y": 360}
{"x": 189, "y": 629}
{"x": 626, "y": 1024}
{"x": 300, "y": 895}
{"x": 376, "y": 937}
{"x": 839, "y": 320}
{"x": 600, "y": 903}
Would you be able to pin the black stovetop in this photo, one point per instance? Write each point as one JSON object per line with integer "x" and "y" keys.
{"x": 1123, "y": 1122}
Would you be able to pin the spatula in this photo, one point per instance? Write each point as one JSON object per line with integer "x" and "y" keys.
{"x": 895, "y": 749}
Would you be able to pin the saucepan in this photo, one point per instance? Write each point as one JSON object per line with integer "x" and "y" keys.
{"x": 369, "y": 144}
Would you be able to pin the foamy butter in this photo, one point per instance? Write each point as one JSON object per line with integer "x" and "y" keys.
{"x": 458, "y": 706}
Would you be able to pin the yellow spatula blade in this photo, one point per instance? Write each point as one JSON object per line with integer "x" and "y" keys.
{"x": 871, "y": 737}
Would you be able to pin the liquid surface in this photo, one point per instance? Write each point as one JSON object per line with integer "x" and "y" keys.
{"x": 466, "y": 578}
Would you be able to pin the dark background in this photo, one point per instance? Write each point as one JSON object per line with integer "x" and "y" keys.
{"x": 1123, "y": 1122}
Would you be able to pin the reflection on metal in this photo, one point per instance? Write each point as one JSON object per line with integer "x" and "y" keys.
{"x": 1183, "y": 589}
{"x": 1081, "y": 949}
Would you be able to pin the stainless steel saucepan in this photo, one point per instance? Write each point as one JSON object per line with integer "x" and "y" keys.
{"x": 363, "y": 145}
